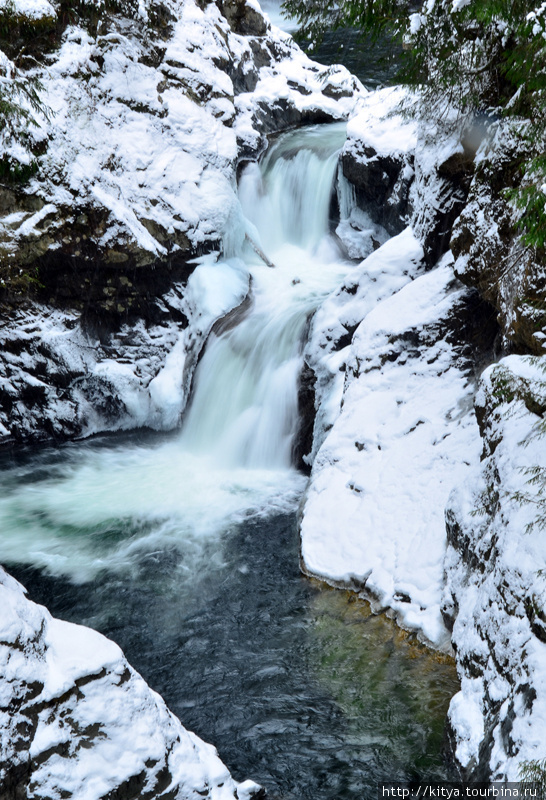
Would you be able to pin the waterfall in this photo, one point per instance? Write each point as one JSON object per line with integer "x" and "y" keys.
{"x": 244, "y": 407}
{"x": 93, "y": 506}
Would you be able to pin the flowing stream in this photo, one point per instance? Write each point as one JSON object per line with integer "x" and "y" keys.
{"x": 375, "y": 62}
{"x": 184, "y": 548}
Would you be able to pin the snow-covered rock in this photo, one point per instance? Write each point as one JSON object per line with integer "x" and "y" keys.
{"x": 76, "y": 721}
{"x": 397, "y": 438}
{"x": 378, "y": 157}
{"x": 488, "y": 248}
{"x": 148, "y": 115}
{"x": 61, "y": 379}
{"x": 407, "y": 169}
{"x": 151, "y": 111}
{"x": 496, "y": 586}
{"x": 395, "y": 353}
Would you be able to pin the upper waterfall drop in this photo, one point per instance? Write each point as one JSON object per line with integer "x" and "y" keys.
{"x": 287, "y": 198}
{"x": 244, "y": 407}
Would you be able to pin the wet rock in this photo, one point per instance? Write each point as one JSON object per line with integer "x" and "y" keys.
{"x": 303, "y": 441}
{"x": 382, "y": 185}
{"x": 378, "y": 159}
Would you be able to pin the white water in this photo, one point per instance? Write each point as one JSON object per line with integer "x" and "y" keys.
{"x": 110, "y": 507}
{"x": 244, "y": 409}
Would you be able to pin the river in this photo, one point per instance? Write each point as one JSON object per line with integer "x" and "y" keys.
{"x": 376, "y": 62}
{"x": 184, "y": 548}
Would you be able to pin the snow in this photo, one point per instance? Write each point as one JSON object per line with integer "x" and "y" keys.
{"x": 498, "y": 609}
{"x": 382, "y": 123}
{"x": 215, "y": 288}
{"x": 383, "y": 273}
{"x": 140, "y": 168}
{"x": 145, "y": 370}
{"x": 405, "y": 434}
{"x": 154, "y": 147}
{"x": 97, "y": 723}
{"x": 465, "y": 714}
{"x": 31, "y": 9}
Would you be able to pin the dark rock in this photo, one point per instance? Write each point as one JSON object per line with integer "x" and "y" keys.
{"x": 282, "y": 115}
{"x": 303, "y": 441}
{"x": 108, "y": 293}
{"x": 382, "y": 190}
{"x": 243, "y": 18}
{"x": 490, "y": 255}
{"x": 243, "y": 74}
{"x": 442, "y": 197}
{"x": 536, "y": 616}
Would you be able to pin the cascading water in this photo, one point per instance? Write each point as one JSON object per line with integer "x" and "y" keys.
{"x": 185, "y": 550}
{"x": 232, "y": 457}
{"x": 244, "y": 408}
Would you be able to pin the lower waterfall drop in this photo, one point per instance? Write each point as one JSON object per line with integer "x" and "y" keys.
{"x": 107, "y": 507}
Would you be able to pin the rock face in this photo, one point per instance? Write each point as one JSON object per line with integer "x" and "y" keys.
{"x": 496, "y": 590}
{"x": 135, "y": 175}
{"x": 78, "y": 721}
{"x": 374, "y": 345}
{"x": 61, "y": 378}
{"x": 488, "y": 249}
{"x": 403, "y": 434}
{"x": 378, "y": 159}
{"x": 401, "y": 175}
{"x": 396, "y": 352}
{"x": 148, "y": 114}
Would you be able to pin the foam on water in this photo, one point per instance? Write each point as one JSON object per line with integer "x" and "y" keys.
{"x": 108, "y": 508}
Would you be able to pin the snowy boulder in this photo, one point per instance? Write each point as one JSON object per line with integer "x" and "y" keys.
{"x": 377, "y": 159}
{"x": 496, "y": 587}
{"x": 76, "y": 721}
{"x": 397, "y": 438}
